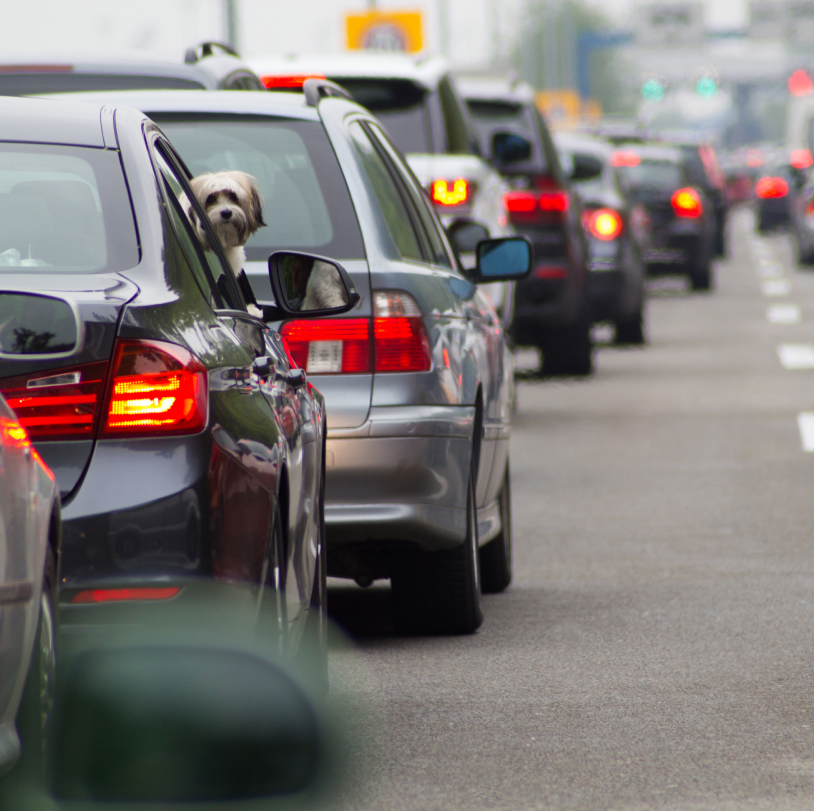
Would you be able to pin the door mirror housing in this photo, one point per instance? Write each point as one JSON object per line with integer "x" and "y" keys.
{"x": 465, "y": 234}
{"x": 585, "y": 167}
{"x": 37, "y": 327}
{"x": 308, "y": 286}
{"x": 510, "y": 147}
{"x": 502, "y": 260}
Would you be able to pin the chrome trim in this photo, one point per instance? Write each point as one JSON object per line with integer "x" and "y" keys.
{"x": 497, "y": 431}
{"x": 407, "y": 421}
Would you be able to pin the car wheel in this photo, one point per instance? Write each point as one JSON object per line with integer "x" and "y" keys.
{"x": 701, "y": 276}
{"x": 804, "y": 256}
{"x": 38, "y": 696}
{"x": 496, "y": 556}
{"x": 631, "y": 330}
{"x": 440, "y": 592}
{"x": 569, "y": 351}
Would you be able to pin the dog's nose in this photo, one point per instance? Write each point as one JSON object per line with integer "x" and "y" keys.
{"x": 226, "y": 214}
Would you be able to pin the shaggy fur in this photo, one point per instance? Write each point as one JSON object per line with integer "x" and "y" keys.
{"x": 325, "y": 289}
{"x": 234, "y": 205}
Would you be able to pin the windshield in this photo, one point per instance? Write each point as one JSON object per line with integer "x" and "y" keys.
{"x": 661, "y": 175}
{"x": 64, "y": 209}
{"x": 307, "y": 205}
{"x": 30, "y": 84}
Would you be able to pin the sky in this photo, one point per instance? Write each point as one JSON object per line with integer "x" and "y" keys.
{"x": 41, "y": 28}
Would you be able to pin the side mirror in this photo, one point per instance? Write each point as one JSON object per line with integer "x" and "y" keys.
{"x": 502, "y": 260}
{"x": 510, "y": 147}
{"x": 585, "y": 167}
{"x": 308, "y": 286}
{"x": 38, "y": 327}
{"x": 465, "y": 234}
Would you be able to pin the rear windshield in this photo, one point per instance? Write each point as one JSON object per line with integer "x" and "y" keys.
{"x": 399, "y": 105}
{"x": 64, "y": 209}
{"x": 648, "y": 174}
{"x": 491, "y": 115}
{"x": 29, "y": 84}
{"x": 307, "y": 205}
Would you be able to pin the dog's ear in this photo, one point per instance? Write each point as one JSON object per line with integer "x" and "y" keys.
{"x": 255, "y": 205}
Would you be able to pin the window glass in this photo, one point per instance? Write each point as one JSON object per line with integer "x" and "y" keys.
{"x": 307, "y": 205}
{"x": 394, "y": 209}
{"x": 440, "y": 252}
{"x": 456, "y": 122}
{"x": 652, "y": 175}
{"x": 64, "y": 209}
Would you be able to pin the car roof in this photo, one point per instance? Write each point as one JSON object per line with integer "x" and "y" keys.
{"x": 425, "y": 70}
{"x": 51, "y": 122}
{"x": 287, "y": 105}
{"x": 494, "y": 88}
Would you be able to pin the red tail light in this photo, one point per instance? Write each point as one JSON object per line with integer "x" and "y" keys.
{"x": 62, "y": 404}
{"x": 687, "y": 203}
{"x": 288, "y": 82}
{"x": 603, "y": 223}
{"x": 531, "y": 203}
{"x": 157, "y": 388}
{"x": 768, "y": 187}
{"x": 343, "y": 345}
{"x": 520, "y": 202}
{"x": 625, "y": 157}
{"x": 450, "y": 192}
{"x": 801, "y": 158}
{"x": 120, "y": 595}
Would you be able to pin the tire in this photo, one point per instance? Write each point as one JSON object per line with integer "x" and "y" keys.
{"x": 630, "y": 331}
{"x": 570, "y": 351}
{"x": 440, "y": 592}
{"x": 804, "y": 257}
{"x": 701, "y": 275}
{"x": 496, "y": 556}
{"x": 38, "y": 695}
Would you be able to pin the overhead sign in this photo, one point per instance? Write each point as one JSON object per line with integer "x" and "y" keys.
{"x": 767, "y": 19}
{"x": 385, "y": 31}
{"x": 670, "y": 24}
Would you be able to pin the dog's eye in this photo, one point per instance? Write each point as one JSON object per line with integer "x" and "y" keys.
{"x": 211, "y": 200}
{"x": 231, "y": 197}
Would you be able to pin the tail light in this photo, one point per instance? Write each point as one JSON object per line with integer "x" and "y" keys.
{"x": 288, "y": 82}
{"x": 156, "y": 388}
{"x": 121, "y": 595}
{"x": 603, "y": 223}
{"x": 63, "y": 404}
{"x": 526, "y": 206}
{"x": 810, "y": 208}
{"x": 450, "y": 192}
{"x": 687, "y": 203}
{"x": 769, "y": 187}
{"x": 625, "y": 158}
{"x": 801, "y": 158}
{"x": 395, "y": 341}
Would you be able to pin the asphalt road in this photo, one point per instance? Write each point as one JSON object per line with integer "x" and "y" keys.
{"x": 655, "y": 649}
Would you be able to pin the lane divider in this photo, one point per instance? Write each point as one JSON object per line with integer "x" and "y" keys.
{"x": 783, "y": 314}
{"x": 805, "y": 422}
{"x": 796, "y": 356}
{"x": 775, "y": 288}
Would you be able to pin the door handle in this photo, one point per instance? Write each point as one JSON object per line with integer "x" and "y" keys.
{"x": 263, "y": 367}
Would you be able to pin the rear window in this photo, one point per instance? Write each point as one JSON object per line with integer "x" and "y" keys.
{"x": 399, "y": 105}
{"x": 307, "y": 205}
{"x": 648, "y": 174}
{"x": 64, "y": 209}
{"x": 492, "y": 115}
{"x": 29, "y": 84}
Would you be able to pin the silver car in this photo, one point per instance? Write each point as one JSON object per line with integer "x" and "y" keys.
{"x": 418, "y": 380}
{"x": 29, "y": 543}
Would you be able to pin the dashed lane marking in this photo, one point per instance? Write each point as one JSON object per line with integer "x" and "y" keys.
{"x": 805, "y": 422}
{"x": 783, "y": 314}
{"x": 770, "y": 270}
{"x": 796, "y": 356}
{"x": 775, "y": 287}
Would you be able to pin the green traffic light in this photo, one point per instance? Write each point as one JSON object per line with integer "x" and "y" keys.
{"x": 706, "y": 87}
{"x": 653, "y": 90}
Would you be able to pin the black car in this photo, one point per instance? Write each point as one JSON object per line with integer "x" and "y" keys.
{"x": 552, "y": 308}
{"x": 208, "y": 66}
{"x": 186, "y": 446}
{"x": 680, "y": 218}
{"x": 776, "y": 188}
{"x": 615, "y": 265}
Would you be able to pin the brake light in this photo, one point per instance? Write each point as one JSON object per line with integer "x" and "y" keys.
{"x": 450, "y": 193}
{"x": 624, "y": 157}
{"x": 527, "y": 202}
{"x": 770, "y": 187}
{"x": 288, "y": 82}
{"x": 120, "y": 595}
{"x": 553, "y": 201}
{"x": 603, "y": 223}
{"x": 801, "y": 158}
{"x": 400, "y": 337}
{"x": 687, "y": 203}
{"x": 156, "y": 388}
{"x": 329, "y": 346}
{"x": 62, "y": 404}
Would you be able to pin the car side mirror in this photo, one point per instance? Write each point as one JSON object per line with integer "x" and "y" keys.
{"x": 585, "y": 167}
{"x": 510, "y": 147}
{"x": 465, "y": 234}
{"x": 308, "y": 286}
{"x": 503, "y": 259}
{"x": 37, "y": 327}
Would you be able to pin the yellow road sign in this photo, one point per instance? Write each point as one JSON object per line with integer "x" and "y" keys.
{"x": 385, "y": 31}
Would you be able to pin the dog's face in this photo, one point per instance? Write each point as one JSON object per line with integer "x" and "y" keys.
{"x": 232, "y": 202}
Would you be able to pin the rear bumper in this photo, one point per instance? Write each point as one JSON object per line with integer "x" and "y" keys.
{"x": 401, "y": 476}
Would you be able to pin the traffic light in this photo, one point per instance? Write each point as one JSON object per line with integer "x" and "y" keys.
{"x": 706, "y": 86}
{"x": 653, "y": 90}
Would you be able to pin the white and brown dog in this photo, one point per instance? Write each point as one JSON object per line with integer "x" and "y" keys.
{"x": 234, "y": 205}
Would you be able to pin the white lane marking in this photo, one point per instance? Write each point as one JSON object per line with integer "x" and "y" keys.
{"x": 783, "y": 314}
{"x": 805, "y": 422}
{"x": 775, "y": 287}
{"x": 770, "y": 270}
{"x": 796, "y": 356}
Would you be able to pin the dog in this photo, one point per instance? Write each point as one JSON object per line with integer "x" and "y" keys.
{"x": 325, "y": 289}
{"x": 234, "y": 205}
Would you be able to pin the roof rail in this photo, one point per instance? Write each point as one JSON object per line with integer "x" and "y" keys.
{"x": 204, "y": 49}
{"x": 316, "y": 89}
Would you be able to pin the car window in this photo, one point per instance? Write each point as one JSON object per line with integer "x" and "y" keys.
{"x": 307, "y": 205}
{"x": 393, "y": 207}
{"x": 652, "y": 174}
{"x": 440, "y": 252}
{"x": 64, "y": 209}
{"x": 460, "y": 138}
